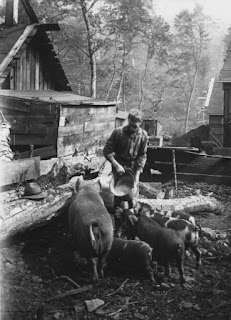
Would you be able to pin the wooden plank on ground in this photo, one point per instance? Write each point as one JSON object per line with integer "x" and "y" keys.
{"x": 13, "y": 171}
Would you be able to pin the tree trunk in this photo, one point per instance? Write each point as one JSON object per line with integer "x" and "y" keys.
{"x": 23, "y": 214}
{"x": 90, "y": 48}
{"x": 122, "y": 77}
{"x": 142, "y": 83}
{"x": 120, "y": 87}
{"x": 114, "y": 72}
{"x": 192, "y": 204}
{"x": 190, "y": 100}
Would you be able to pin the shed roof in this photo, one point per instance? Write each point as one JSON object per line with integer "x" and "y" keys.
{"x": 225, "y": 74}
{"x": 50, "y": 96}
{"x": 216, "y": 104}
{"x": 12, "y": 40}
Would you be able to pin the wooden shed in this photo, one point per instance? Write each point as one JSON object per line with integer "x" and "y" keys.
{"x": 56, "y": 123}
{"x": 216, "y": 115}
{"x": 225, "y": 79}
{"x": 46, "y": 117}
{"x": 153, "y": 127}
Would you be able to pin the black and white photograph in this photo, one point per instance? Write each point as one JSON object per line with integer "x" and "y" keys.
{"x": 115, "y": 159}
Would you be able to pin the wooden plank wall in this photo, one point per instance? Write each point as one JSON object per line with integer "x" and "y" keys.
{"x": 216, "y": 129}
{"x": 32, "y": 123}
{"x": 16, "y": 170}
{"x": 84, "y": 129}
{"x": 29, "y": 72}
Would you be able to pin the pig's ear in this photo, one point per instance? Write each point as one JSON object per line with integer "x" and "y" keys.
{"x": 73, "y": 191}
{"x": 133, "y": 219}
{"x": 79, "y": 183}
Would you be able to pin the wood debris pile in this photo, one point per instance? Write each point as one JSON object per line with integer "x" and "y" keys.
{"x": 6, "y": 154}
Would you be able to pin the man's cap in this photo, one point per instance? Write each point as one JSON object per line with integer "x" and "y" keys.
{"x": 33, "y": 191}
{"x": 135, "y": 115}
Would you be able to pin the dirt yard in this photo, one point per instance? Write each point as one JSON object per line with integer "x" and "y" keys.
{"x": 38, "y": 266}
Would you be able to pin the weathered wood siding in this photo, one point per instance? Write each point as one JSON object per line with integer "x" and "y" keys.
{"x": 29, "y": 72}
{"x": 227, "y": 114}
{"x": 84, "y": 128}
{"x": 32, "y": 123}
{"x": 216, "y": 129}
{"x": 152, "y": 126}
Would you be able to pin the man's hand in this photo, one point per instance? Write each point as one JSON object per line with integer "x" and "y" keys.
{"x": 118, "y": 168}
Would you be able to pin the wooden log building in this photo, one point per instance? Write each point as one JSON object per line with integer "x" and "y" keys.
{"x": 46, "y": 117}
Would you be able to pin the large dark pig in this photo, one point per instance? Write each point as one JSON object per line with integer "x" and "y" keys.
{"x": 188, "y": 232}
{"x": 91, "y": 226}
{"x": 133, "y": 253}
{"x": 166, "y": 243}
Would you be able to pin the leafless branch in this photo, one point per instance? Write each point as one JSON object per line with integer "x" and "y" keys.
{"x": 120, "y": 287}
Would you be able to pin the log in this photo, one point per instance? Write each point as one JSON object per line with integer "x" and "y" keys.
{"x": 191, "y": 204}
{"x": 149, "y": 190}
{"x": 23, "y": 214}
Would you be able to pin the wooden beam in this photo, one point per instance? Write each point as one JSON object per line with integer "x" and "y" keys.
{"x": 25, "y": 128}
{"x": 13, "y": 171}
{"x": 70, "y": 130}
{"x": 37, "y": 58}
{"x": 15, "y": 48}
{"x": 215, "y": 139}
{"x": 44, "y": 153}
{"x": 30, "y": 119}
{"x": 30, "y": 11}
{"x": 48, "y": 27}
{"x": 27, "y": 139}
{"x": 12, "y": 103}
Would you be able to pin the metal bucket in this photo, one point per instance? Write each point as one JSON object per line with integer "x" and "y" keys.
{"x": 123, "y": 186}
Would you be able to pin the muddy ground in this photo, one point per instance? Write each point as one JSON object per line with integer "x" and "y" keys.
{"x": 39, "y": 265}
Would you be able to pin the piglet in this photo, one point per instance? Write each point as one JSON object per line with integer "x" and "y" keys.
{"x": 133, "y": 253}
{"x": 91, "y": 226}
{"x": 188, "y": 231}
{"x": 166, "y": 243}
{"x": 180, "y": 214}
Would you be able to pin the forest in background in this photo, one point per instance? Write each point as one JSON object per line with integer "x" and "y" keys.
{"x": 121, "y": 50}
